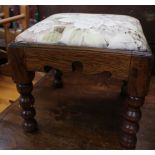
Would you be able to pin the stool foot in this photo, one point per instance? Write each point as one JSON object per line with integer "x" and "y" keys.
{"x": 30, "y": 125}
{"x": 26, "y": 101}
{"x": 57, "y": 83}
{"x": 130, "y": 126}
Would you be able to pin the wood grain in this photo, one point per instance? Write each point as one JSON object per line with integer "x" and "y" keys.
{"x": 83, "y": 115}
{"x": 140, "y": 71}
{"x": 133, "y": 66}
{"x": 138, "y": 85}
{"x": 8, "y": 92}
{"x": 61, "y": 57}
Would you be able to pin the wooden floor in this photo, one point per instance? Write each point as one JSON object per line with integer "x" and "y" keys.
{"x": 82, "y": 115}
{"x": 8, "y": 93}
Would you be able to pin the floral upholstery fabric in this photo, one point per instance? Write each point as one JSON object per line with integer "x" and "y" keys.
{"x": 88, "y": 30}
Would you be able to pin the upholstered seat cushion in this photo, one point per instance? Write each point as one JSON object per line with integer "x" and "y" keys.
{"x": 88, "y": 30}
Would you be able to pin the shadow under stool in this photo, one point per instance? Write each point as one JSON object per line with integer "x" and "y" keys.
{"x": 98, "y": 43}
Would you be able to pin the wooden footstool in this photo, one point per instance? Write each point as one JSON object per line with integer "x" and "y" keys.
{"x": 95, "y": 42}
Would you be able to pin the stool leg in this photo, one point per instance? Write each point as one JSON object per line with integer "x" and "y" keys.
{"x": 130, "y": 126}
{"x": 57, "y": 83}
{"x": 23, "y": 79}
{"x": 26, "y": 101}
{"x": 138, "y": 84}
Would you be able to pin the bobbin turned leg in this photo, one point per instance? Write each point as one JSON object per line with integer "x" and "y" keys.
{"x": 138, "y": 84}
{"x": 57, "y": 83}
{"x": 23, "y": 79}
{"x": 26, "y": 101}
{"x": 130, "y": 126}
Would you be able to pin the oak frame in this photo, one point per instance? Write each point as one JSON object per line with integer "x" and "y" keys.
{"x": 131, "y": 66}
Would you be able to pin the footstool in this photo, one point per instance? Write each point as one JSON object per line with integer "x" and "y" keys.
{"x": 97, "y": 43}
